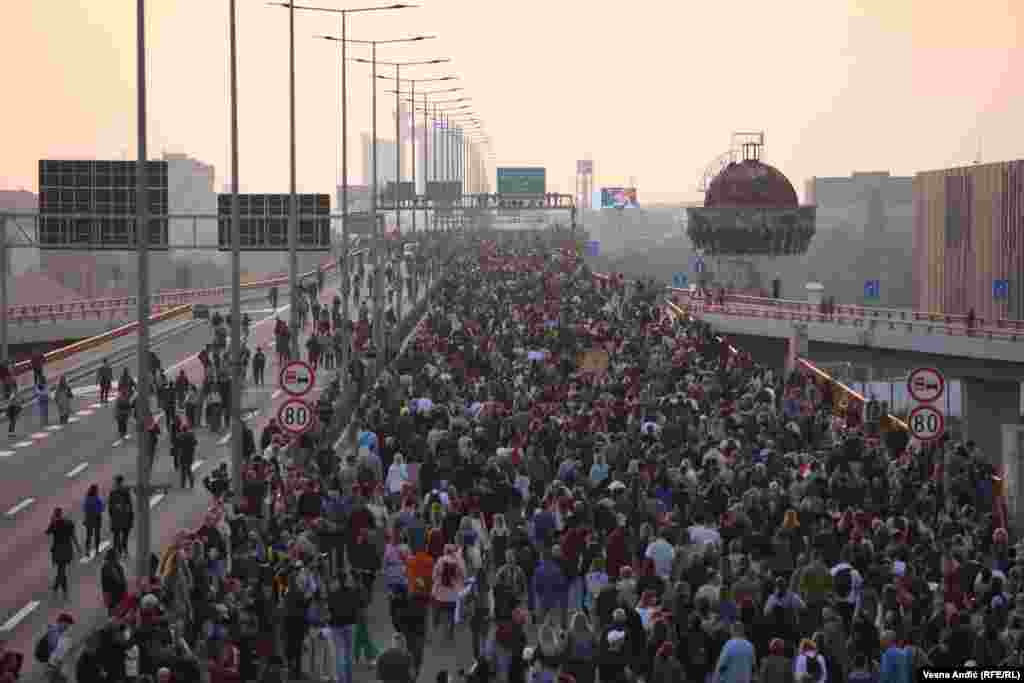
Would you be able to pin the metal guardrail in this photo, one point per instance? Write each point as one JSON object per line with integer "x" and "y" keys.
{"x": 93, "y": 342}
{"x": 98, "y": 308}
{"x": 882, "y": 314}
{"x": 812, "y": 315}
{"x": 857, "y": 316}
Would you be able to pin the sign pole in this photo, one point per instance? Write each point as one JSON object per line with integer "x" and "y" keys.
{"x": 293, "y": 209}
{"x": 144, "y": 456}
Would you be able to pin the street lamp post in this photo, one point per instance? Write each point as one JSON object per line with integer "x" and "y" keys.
{"x": 144, "y": 456}
{"x": 343, "y": 258}
{"x": 237, "y": 371}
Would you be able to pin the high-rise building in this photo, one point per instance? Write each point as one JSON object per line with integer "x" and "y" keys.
{"x": 190, "y": 190}
{"x": 969, "y": 240}
{"x": 387, "y": 152}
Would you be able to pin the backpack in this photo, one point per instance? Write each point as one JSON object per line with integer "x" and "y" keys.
{"x": 43, "y": 649}
{"x": 448, "y": 574}
{"x": 842, "y": 583}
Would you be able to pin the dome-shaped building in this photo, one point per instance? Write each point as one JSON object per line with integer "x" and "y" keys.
{"x": 750, "y": 209}
{"x": 750, "y": 184}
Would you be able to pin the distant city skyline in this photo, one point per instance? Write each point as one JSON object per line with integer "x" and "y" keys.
{"x": 842, "y": 86}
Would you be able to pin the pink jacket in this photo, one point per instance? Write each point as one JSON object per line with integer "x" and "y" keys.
{"x": 450, "y": 593}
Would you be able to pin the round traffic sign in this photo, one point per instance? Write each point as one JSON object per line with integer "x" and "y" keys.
{"x": 295, "y": 416}
{"x": 926, "y": 385}
{"x": 927, "y": 423}
{"x": 297, "y": 378}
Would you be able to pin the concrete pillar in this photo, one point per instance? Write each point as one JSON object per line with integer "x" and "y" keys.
{"x": 796, "y": 345}
{"x": 987, "y": 406}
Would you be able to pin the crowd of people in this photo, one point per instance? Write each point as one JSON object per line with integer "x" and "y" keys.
{"x": 596, "y": 489}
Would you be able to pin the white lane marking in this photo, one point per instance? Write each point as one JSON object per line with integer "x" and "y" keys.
{"x": 84, "y": 413}
{"x": 20, "y": 615}
{"x": 54, "y": 428}
{"x": 197, "y": 464}
{"x": 73, "y": 420}
{"x": 155, "y": 500}
{"x": 95, "y": 405}
{"x": 117, "y": 443}
{"x": 6, "y": 454}
{"x": 273, "y": 396}
{"x": 78, "y": 469}
{"x": 40, "y": 435}
{"x": 24, "y": 444}
{"x": 224, "y": 440}
{"x": 104, "y": 547}
{"x": 20, "y": 506}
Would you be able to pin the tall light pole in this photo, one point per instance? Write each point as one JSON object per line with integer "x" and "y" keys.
{"x": 237, "y": 371}
{"x": 378, "y": 308}
{"x": 342, "y": 41}
{"x": 144, "y": 456}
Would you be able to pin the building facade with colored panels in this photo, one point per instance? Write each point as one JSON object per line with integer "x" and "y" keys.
{"x": 969, "y": 240}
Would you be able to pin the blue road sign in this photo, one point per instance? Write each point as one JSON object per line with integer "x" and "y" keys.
{"x": 872, "y": 289}
{"x": 698, "y": 265}
{"x": 593, "y": 248}
{"x": 1000, "y": 289}
{"x": 680, "y": 280}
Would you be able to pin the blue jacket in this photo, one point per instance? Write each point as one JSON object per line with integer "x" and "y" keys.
{"x": 93, "y": 506}
{"x": 550, "y": 584}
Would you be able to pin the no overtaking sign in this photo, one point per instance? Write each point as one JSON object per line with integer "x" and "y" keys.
{"x": 297, "y": 378}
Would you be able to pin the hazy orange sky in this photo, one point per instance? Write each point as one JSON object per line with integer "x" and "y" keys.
{"x": 649, "y": 89}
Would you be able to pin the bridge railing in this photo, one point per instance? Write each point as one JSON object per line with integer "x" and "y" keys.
{"x": 86, "y": 309}
{"x": 802, "y": 311}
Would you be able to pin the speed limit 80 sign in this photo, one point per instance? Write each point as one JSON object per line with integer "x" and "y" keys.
{"x": 295, "y": 416}
{"x": 927, "y": 423}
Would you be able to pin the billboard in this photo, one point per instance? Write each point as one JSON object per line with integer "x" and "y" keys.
{"x": 522, "y": 181}
{"x": 619, "y": 198}
{"x": 264, "y": 221}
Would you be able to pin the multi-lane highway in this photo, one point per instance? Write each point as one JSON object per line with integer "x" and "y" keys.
{"x": 49, "y": 466}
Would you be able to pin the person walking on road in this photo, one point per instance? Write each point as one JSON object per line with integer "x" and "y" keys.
{"x": 105, "y": 379}
{"x": 64, "y": 545}
{"x": 58, "y": 646}
{"x": 92, "y": 511}
{"x": 113, "y": 580}
{"x": 122, "y": 411}
{"x": 122, "y": 515}
{"x": 185, "y": 454}
{"x": 63, "y": 396}
{"x": 259, "y": 366}
{"x": 42, "y": 398}
{"x": 13, "y": 411}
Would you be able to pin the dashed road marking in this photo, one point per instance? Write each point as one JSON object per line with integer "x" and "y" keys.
{"x": 155, "y": 499}
{"x": 54, "y": 428}
{"x": 73, "y": 420}
{"x": 20, "y": 615}
{"x": 224, "y": 440}
{"x": 84, "y": 413}
{"x": 78, "y": 469}
{"x": 104, "y": 547}
{"x": 197, "y": 464}
{"x": 96, "y": 405}
{"x": 40, "y": 435}
{"x": 276, "y": 394}
{"x": 117, "y": 443}
{"x": 24, "y": 444}
{"x": 20, "y": 506}
{"x": 6, "y": 454}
